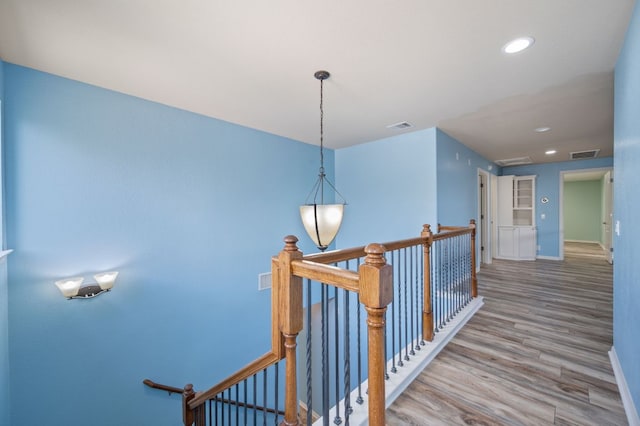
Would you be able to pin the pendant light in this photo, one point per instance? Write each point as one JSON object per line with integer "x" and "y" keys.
{"x": 322, "y": 221}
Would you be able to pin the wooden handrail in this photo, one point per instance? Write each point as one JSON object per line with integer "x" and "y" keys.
{"x": 170, "y": 389}
{"x": 249, "y": 370}
{"x": 356, "y": 252}
{"x": 327, "y": 274}
{"x": 342, "y": 255}
{"x": 452, "y": 233}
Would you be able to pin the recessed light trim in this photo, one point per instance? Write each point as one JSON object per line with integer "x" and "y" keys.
{"x": 550, "y": 152}
{"x": 542, "y": 129}
{"x": 518, "y": 45}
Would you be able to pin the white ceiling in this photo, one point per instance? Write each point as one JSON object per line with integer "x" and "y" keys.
{"x": 429, "y": 62}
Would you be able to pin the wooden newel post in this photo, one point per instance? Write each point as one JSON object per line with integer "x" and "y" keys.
{"x": 290, "y": 324}
{"x": 474, "y": 279}
{"x": 187, "y": 413}
{"x": 376, "y": 292}
{"x": 427, "y": 310}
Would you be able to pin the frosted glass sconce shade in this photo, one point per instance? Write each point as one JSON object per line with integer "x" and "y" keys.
{"x": 72, "y": 288}
{"x": 106, "y": 279}
{"x": 69, "y": 286}
{"x": 322, "y": 222}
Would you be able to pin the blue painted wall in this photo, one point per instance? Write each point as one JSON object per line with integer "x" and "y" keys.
{"x": 189, "y": 209}
{"x": 4, "y": 295}
{"x": 390, "y": 185}
{"x": 457, "y": 170}
{"x": 548, "y": 185}
{"x": 626, "y": 273}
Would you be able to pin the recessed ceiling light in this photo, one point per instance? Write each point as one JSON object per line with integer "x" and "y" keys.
{"x": 542, "y": 129}
{"x": 550, "y": 152}
{"x": 518, "y": 45}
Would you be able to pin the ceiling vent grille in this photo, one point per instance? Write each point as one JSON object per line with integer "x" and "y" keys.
{"x": 513, "y": 161}
{"x": 400, "y": 125}
{"x": 583, "y": 155}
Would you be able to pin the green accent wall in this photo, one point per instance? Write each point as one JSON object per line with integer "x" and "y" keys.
{"x": 583, "y": 210}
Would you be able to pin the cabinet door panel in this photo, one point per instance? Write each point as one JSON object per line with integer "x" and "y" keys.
{"x": 507, "y": 241}
{"x": 527, "y": 243}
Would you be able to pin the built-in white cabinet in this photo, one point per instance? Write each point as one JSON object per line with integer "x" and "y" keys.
{"x": 516, "y": 217}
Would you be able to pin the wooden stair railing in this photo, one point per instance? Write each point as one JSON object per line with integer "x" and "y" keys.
{"x": 373, "y": 282}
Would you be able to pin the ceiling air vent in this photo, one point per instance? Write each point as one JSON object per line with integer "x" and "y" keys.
{"x": 583, "y": 155}
{"x": 513, "y": 161}
{"x": 400, "y": 125}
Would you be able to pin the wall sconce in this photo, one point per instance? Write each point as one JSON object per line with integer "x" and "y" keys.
{"x": 72, "y": 288}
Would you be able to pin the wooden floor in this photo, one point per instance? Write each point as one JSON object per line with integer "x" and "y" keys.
{"x": 535, "y": 354}
{"x": 593, "y": 250}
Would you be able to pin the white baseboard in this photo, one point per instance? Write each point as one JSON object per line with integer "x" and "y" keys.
{"x": 625, "y": 394}
{"x": 582, "y": 241}
{"x": 548, "y": 257}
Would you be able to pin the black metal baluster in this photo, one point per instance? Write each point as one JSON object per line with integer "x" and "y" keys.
{"x": 410, "y": 323}
{"x": 449, "y": 273}
{"x": 255, "y": 400}
{"x": 245, "y": 386}
{"x": 462, "y": 272}
{"x": 222, "y": 407}
{"x": 399, "y": 285}
{"x": 461, "y": 259}
{"x": 215, "y": 407}
{"x": 237, "y": 404}
{"x": 469, "y": 265}
{"x": 452, "y": 280}
{"x": 393, "y": 322}
{"x": 277, "y": 408}
{"x": 416, "y": 276}
{"x": 406, "y": 310}
{"x": 337, "y": 419}
{"x": 347, "y": 360}
{"x": 452, "y": 289}
{"x": 308, "y": 356}
{"x": 469, "y": 271}
{"x": 421, "y": 284}
{"x": 359, "y": 399}
{"x": 325, "y": 355}
{"x": 264, "y": 397}
{"x": 441, "y": 295}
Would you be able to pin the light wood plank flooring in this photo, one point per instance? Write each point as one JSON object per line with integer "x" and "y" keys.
{"x": 535, "y": 354}
{"x": 593, "y": 250}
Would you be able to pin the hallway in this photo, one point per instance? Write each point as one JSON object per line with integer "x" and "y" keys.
{"x": 535, "y": 354}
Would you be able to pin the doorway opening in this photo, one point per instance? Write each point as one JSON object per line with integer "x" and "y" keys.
{"x": 586, "y": 213}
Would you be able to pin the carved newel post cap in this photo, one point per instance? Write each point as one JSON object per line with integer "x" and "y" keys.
{"x": 426, "y": 228}
{"x": 375, "y": 254}
{"x": 472, "y": 222}
{"x": 290, "y": 243}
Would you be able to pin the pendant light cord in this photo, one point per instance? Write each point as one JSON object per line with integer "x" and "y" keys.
{"x": 321, "y": 128}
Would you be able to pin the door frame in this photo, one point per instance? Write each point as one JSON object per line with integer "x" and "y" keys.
{"x": 563, "y": 173}
{"x": 484, "y": 228}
